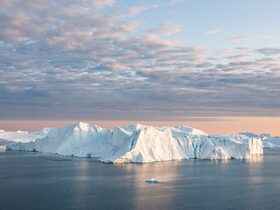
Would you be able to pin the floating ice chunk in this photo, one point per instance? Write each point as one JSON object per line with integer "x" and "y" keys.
{"x": 152, "y": 180}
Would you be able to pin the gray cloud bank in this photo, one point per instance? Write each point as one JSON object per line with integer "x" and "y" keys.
{"x": 91, "y": 59}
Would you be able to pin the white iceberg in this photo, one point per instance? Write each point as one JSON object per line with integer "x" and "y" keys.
{"x": 140, "y": 143}
{"x": 268, "y": 140}
{"x": 271, "y": 142}
{"x": 10, "y": 137}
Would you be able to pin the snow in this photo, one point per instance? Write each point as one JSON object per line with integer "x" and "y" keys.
{"x": 140, "y": 143}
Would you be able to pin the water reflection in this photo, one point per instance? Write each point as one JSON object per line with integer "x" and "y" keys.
{"x": 81, "y": 178}
{"x": 254, "y": 159}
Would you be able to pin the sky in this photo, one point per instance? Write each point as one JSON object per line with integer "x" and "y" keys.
{"x": 156, "y": 60}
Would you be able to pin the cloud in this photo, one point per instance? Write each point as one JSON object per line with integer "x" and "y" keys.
{"x": 175, "y": 2}
{"x": 103, "y": 3}
{"x": 239, "y": 38}
{"x": 243, "y": 38}
{"x": 166, "y": 29}
{"x": 212, "y": 31}
{"x": 86, "y": 59}
{"x": 269, "y": 51}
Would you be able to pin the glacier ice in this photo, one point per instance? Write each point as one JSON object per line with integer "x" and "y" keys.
{"x": 140, "y": 143}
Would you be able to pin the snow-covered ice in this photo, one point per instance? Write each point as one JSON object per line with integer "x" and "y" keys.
{"x": 140, "y": 143}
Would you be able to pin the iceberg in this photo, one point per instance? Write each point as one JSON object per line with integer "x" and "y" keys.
{"x": 10, "y": 137}
{"x": 141, "y": 143}
{"x": 271, "y": 142}
{"x": 152, "y": 181}
{"x": 268, "y": 140}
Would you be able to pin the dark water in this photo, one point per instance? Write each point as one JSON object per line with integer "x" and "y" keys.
{"x": 38, "y": 181}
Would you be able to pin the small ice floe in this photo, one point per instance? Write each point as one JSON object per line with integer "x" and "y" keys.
{"x": 152, "y": 180}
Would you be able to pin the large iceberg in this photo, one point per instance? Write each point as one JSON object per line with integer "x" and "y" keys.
{"x": 140, "y": 143}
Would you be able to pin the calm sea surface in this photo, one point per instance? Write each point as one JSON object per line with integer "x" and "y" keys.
{"x": 39, "y": 181}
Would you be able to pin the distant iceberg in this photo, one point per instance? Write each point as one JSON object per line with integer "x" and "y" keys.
{"x": 10, "y": 137}
{"x": 140, "y": 143}
{"x": 152, "y": 180}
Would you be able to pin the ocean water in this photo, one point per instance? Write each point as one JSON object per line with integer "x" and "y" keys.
{"x": 39, "y": 181}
